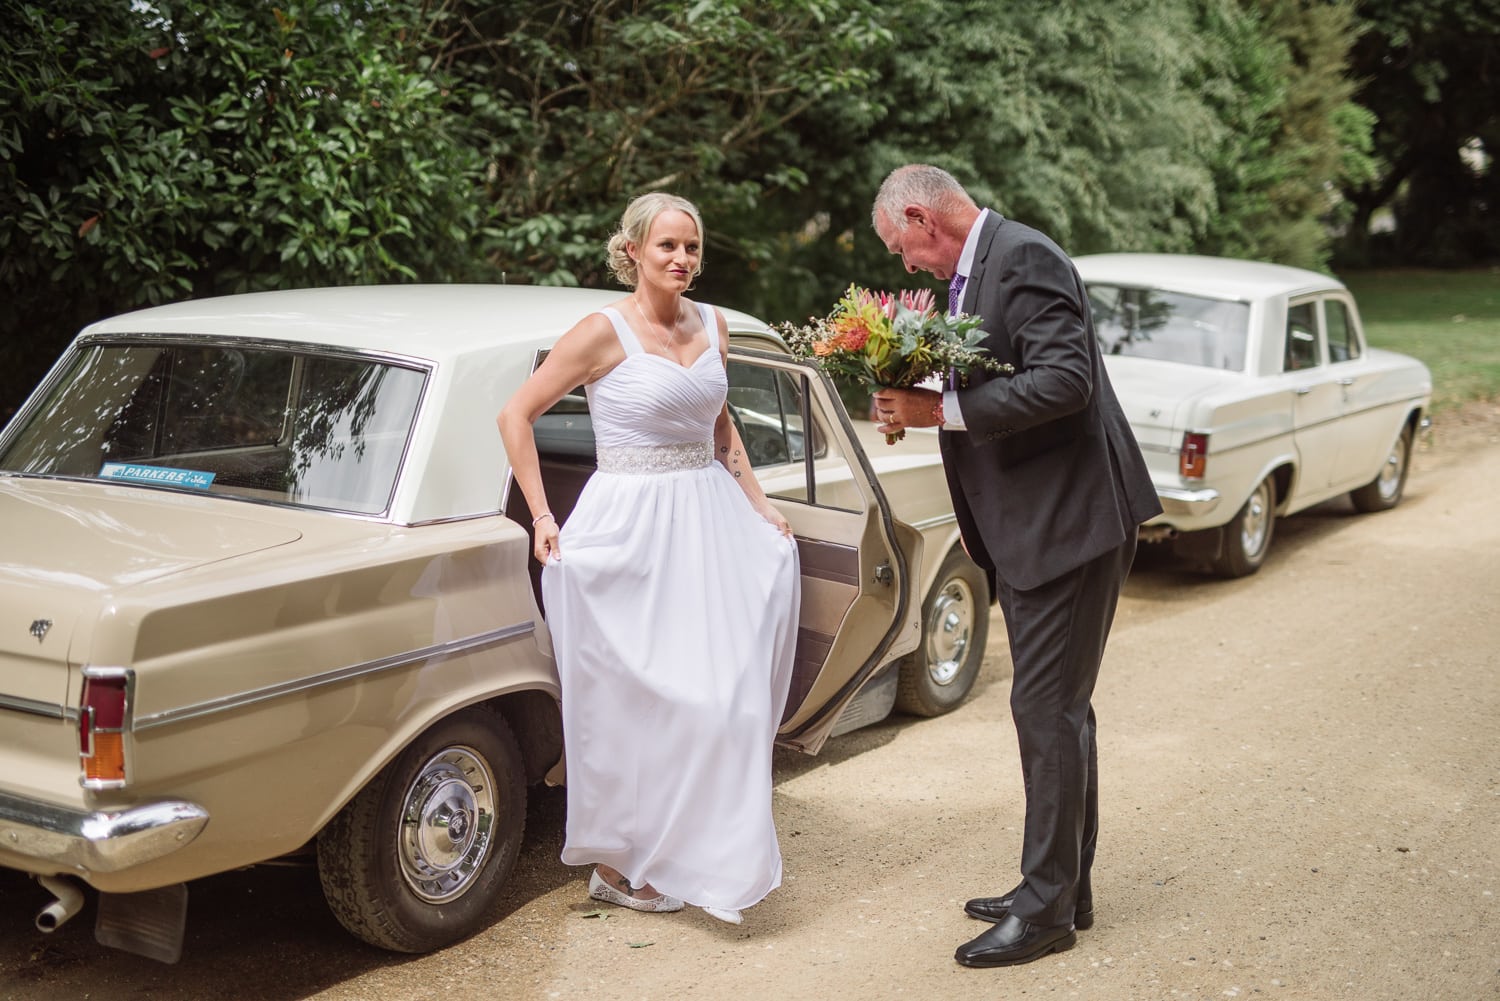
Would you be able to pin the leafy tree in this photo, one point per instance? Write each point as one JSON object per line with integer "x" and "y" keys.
{"x": 1429, "y": 72}
{"x": 578, "y": 106}
{"x": 1275, "y": 75}
{"x": 162, "y": 150}
{"x": 1076, "y": 118}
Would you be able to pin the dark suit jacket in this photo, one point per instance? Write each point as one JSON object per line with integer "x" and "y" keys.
{"x": 1046, "y": 475}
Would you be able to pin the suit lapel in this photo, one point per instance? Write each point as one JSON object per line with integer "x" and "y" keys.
{"x": 987, "y": 232}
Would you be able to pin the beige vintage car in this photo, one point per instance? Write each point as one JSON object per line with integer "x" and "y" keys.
{"x": 265, "y": 588}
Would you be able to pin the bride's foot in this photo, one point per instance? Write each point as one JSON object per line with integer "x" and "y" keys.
{"x": 725, "y": 914}
{"x": 617, "y": 890}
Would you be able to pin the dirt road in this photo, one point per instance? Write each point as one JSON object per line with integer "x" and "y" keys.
{"x": 1301, "y": 799}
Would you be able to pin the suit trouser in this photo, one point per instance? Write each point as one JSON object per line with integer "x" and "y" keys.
{"x": 1057, "y": 633}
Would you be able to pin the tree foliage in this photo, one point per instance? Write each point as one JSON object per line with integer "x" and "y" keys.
{"x": 1429, "y": 73}
{"x": 164, "y": 149}
{"x": 158, "y": 151}
{"x": 1274, "y": 74}
{"x": 579, "y": 106}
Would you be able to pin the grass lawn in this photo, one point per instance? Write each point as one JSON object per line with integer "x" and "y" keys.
{"x": 1449, "y": 319}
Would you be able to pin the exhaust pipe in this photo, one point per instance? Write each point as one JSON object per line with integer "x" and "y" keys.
{"x": 68, "y": 903}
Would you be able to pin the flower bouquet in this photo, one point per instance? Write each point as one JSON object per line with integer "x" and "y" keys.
{"x": 874, "y": 340}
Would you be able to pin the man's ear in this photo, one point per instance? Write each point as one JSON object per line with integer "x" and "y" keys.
{"x": 917, "y": 216}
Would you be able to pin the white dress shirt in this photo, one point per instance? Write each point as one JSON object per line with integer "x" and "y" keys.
{"x": 953, "y": 416}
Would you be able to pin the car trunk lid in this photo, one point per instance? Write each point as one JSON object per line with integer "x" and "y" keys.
{"x": 68, "y": 546}
{"x": 1157, "y": 397}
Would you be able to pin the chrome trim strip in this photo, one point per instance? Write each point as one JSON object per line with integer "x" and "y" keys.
{"x": 934, "y": 522}
{"x": 102, "y": 841}
{"x": 258, "y": 343}
{"x": 237, "y": 701}
{"x": 51, "y": 710}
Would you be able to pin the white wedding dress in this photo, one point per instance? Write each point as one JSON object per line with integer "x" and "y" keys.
{"x": 673, "y": 612}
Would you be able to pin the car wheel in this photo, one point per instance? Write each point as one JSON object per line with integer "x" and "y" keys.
{"x": 1247, "y": 538}
{"x": 418, "y": 859}
{"x": 1384, "y": 491}
{"x": 937, "y": 677}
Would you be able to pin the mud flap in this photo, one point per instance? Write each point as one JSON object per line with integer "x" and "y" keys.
{"x": 150, "y": 923}
{"x": 1199, "y": 547}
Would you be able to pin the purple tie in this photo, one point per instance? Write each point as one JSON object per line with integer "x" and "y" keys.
{"x": 955, "y": 294}
{"x": 955, "y": 298}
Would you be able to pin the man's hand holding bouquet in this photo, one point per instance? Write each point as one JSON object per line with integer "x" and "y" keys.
{"x": 880, "y": 340}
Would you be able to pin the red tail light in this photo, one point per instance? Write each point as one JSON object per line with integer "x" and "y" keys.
{"x": 1192, "y": 461}
{"x": 102, "y": 723}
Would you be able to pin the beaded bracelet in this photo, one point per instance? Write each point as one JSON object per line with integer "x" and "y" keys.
{"x": 544, "y": 514}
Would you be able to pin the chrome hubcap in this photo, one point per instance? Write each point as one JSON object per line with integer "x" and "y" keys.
{"x": 950, "y": 627}
{"x": 1390, "y": 473}
{"x": 1257, "y": 519}
{"x": 445, "y": 824}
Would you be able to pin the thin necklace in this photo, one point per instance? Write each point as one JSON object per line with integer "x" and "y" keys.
{"x": 666, "y": 342}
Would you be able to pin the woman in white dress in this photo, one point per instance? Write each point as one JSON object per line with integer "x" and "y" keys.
{"x": 671, "y": 593}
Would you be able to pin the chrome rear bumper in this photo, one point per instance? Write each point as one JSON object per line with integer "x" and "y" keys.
{"x": 1187, "y": 503}
{"x": 102, "y": 841}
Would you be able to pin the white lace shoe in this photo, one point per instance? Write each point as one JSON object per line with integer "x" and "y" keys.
{"x": 725, "y": 915}
{"x": 600, "y": 890}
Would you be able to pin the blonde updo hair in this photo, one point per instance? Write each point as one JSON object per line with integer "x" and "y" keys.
{"x": 635, "y": 226}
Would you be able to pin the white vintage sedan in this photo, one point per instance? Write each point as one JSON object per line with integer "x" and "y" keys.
{"x": 1253, "y": 395}
{"x": 265, "y": 590}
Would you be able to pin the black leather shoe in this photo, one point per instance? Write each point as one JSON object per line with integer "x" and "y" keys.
{"x": 994, "y": 909}
{"x": 1013, "y": 941}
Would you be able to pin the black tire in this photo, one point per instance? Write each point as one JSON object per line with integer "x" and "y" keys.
{"x": 1384, "y": 491}
{"x": 938, "y": 675}
{"x": 419, "y": 858}
{"x": 1247, "y": 538}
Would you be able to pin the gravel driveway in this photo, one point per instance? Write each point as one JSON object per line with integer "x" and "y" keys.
{"x": 1300, "y": 799}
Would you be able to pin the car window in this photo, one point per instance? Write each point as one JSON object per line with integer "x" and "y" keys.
{"x": 793, "y": 458}
{"x": 261, "y": 423}
{"x": 1301, "y": 337}
{"x": 1170, "y": 326}
{"x": 1343, "y": 343}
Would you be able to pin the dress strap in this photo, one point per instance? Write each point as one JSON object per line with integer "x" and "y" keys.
{"x": 628, "y": 340}
{"x": 710, "y": 324}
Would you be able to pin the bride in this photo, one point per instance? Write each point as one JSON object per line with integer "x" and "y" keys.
{"x": 671, "y": 593}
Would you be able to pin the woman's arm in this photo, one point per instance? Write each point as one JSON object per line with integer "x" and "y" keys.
{"x": 730, "y": 450}
{"x": 580, "y": 356}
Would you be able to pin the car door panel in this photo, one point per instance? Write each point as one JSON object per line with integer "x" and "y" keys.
{"x": 859, "y": 609}
{"x": 1317, "y": 405}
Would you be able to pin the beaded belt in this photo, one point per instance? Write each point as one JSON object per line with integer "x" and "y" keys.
{"x": 646, "y": 459}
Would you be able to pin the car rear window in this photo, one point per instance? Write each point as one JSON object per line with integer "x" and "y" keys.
{"x": 1170, "y": 326}
{"x": 260, "y": 423}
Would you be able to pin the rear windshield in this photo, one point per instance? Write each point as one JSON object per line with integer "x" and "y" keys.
{"x": 1169, "y": 326}
{"x": 291, "y": 427}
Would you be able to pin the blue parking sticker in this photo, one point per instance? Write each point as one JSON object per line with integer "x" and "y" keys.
{"x": 156, "y": 474}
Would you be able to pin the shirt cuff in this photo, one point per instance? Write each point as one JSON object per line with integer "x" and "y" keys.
{"x": 953, "y": 417}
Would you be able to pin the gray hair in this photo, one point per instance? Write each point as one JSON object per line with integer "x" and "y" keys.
{"x": 918, "y": 184}
{"x": 635, "y": 226}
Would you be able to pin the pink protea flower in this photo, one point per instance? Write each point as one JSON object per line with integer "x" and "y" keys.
{"x": 921, "y": 301}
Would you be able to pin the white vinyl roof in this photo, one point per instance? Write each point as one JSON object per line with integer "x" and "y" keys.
{"x": 425, "y": 321}
{"x": 1215, "y": 277}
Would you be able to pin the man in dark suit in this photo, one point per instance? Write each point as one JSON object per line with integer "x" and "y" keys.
{"x": 1049, "y": 488}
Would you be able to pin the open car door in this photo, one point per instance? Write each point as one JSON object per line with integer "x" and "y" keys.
{"x": 860, "y": 567}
